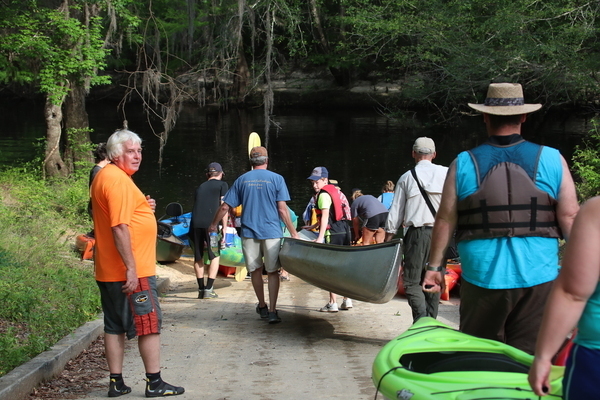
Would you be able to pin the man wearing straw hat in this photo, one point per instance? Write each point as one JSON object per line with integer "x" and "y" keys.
{"x": 509, "y": 201}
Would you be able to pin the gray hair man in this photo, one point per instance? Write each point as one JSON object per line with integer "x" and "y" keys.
{"x": 263, "y": 194}
{"x": 125, "y": 265}
{"x": 411, "y": 210}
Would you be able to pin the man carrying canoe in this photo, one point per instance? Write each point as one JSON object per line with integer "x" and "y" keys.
{"x": 509, "y": 201}
{"x": 264, "y": 195}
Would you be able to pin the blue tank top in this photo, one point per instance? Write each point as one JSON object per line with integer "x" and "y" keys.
{"x": 510, "y": 263}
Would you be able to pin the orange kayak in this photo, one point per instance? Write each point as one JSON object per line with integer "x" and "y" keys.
{"x": 452, "y": 277}
{"x": 85, "y": 245}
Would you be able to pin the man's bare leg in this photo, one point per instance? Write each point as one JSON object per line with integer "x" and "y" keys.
{"x": 367, "y": 236}
{"x": 380, "y": 235}
{"x": 149, "y": 346}
{"x": 213, "y": 268}
{"x": 114, "y": 346}
{"x": 258, "y": 285}
{"x": 273, "y": 290}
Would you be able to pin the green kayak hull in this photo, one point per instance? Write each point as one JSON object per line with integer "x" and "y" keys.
{"x": 433, "y": 361}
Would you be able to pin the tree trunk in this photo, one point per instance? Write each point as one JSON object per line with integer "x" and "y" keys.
{"x": 77, "y": 150}
{"x": 341, "y": 75}
{"x": 241, "y": 77}
{"x": 268, "y": 96}
{"x": 53, "y": 163}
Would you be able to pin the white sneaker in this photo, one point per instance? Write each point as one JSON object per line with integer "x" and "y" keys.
{"x": 330, "y": 308}
{"x": 346, "y": 304}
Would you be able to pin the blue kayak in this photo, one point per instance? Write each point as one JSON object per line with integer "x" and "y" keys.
{"x": 231, "y": 255}
{"x": 180, "y": 226}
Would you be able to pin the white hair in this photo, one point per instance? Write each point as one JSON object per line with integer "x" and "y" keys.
{"x": 114, "y": 144}
{"x": 257, "y": 161}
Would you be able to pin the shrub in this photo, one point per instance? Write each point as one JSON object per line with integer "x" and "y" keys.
{"x": 45, "y": 290}
{"x": 586, "y": 163}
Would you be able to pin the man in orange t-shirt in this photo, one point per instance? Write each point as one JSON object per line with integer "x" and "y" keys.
{"x": 125, "y": 265}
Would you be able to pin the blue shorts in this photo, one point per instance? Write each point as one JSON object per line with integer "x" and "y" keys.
{"x": 582, "y": 374}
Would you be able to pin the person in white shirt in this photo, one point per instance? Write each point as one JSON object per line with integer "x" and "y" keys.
{"x": 410, "y": 210}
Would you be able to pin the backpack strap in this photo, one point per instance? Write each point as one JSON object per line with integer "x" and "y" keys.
{"x": 423, "y": 192}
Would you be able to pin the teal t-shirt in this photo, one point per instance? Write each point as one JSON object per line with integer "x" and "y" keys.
{"x": 588, "y": 333}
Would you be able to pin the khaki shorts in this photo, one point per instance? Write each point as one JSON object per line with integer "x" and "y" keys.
{"x": 261, "y": 251}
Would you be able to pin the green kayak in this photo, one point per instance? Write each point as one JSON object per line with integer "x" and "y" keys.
{"x": 433, "y": 361}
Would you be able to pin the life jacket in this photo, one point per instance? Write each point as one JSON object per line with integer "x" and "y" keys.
{"x": 341, "y": 208}
{"x": 507, "y": 203}
{"x": 237, "y": 211}
{"x": 314, "y": 219}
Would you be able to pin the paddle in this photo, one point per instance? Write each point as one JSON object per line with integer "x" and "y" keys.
{"x": 253, "y": 141}
{"x": 240, "y": 271}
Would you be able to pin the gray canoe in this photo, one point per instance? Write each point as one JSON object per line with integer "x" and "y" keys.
{"x": 168, "y": 249}
{"x": 364, "y": 273}
{"x": 168, "y": 246}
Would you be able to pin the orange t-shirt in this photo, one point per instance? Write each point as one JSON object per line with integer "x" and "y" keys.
{"x": 117, "y": 200}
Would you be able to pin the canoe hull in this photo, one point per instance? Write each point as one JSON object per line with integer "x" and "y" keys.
{"x": 364, "y": 273}
{"x": 168, "y": 249}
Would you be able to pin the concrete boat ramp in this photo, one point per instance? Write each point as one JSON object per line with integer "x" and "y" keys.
{"x": 220, "y": 349}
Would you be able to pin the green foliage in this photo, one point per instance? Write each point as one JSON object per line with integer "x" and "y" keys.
{"x": 456, "y": 47}
{"x": 45, "y": 291}
{"x": 50, "y": 48}
{"x": 443, "y": 52}
{"x": 82, "y": 167}
{"x": 586, "y": 163}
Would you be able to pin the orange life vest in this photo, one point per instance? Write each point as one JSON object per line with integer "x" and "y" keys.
{"x": 341, "y": 208}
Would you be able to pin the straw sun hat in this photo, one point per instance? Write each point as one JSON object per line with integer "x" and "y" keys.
{"x": 505, "y": 99}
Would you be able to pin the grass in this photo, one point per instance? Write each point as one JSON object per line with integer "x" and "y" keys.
{"x": 46, "y": 292}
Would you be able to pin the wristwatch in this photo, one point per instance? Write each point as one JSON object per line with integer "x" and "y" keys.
{"x": 434, "y": 269}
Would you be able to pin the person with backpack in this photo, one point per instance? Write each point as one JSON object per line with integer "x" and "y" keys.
{"x": 416, "y": 199}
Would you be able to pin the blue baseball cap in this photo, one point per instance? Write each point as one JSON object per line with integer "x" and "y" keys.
{"x": 318, "y": 173}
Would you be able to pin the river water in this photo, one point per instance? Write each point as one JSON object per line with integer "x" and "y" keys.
{"x": 361, "y": 148}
